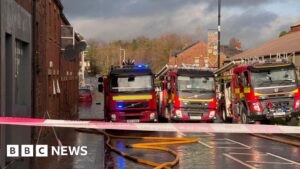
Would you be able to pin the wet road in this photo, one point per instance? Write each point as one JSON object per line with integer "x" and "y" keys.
{"x": 213, "y": 151}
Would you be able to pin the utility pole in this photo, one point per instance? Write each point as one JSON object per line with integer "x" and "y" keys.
{"x": 124, "y": 55}
{"x": 219, "y": 33}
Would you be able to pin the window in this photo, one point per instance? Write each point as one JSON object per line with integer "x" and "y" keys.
{"x": 21, "y": 75}
{"x": 245, "y": 79}
{"x": 237, "y": 79}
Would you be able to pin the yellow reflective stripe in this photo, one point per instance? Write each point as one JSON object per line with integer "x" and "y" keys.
{"x": 132, "y": 97}
{"x": 247, "y": 90}
{"x": 296, "y": 91}
{"x": 242, "y": 95}
{"x": 272, "y": 66}
{"x": 196, "y": 100}
{"x": 237, "y": 90}
{"x": 259, "y": 94}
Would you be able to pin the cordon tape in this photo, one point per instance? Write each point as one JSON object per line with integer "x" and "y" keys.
{"x": 170, "y": 127}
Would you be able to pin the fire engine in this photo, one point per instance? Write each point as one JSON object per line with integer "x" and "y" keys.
{"x": 129, "y": 94}
{"x": 186, "y": 93}
{"x": 258, "y": 92}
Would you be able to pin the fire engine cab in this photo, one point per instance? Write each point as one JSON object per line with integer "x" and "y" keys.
{"x": 186, "y": 93}
{"x": 256, "y": 92}
{"x": 129, "y": 94}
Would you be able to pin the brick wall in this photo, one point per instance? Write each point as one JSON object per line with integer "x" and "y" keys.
{"x": 196, "y": 54}
{"x": 190, "y": 55}
{"x": 295, "y": 28}
{"x": 56, "y": 81}
{"x": 26, "y": 4}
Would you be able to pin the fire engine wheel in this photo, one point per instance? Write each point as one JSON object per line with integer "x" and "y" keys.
{"x": 293, "y": 121}
{"x": 164, "y": 118}
{"x": 244, "y": 118}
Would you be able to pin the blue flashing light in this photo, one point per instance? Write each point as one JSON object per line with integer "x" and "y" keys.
{"x": 120, "y": 106}
{"x": 142, "y": 66}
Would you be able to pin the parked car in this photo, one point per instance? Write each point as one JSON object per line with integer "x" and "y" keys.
{"x": 87, "y": 86}
{"x": 85, "y": 95}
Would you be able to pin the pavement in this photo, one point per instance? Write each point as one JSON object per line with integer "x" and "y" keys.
{"x": 71, "y": 137}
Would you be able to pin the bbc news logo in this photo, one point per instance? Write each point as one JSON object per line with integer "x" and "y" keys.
{"x": 44, "y": 150}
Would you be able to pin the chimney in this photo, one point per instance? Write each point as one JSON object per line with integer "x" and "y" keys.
{"x": 295, "y": 28}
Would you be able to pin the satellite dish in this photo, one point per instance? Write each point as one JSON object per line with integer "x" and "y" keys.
{"x": 71, "y": 52}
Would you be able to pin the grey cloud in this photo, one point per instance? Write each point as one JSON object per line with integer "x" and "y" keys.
{"x": 248, "y": 25}
{"x": 126, "y": 19}
{"x": 122, "y": 8}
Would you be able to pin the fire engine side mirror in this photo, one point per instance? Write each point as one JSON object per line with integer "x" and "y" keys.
{"x": 100, "y": 88}
{"x": 168, "y": 78}
{"x": 169, "y": 86}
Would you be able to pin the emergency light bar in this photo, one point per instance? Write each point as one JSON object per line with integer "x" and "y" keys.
{"x": 139, "y": 66}
{"x": 167, "y": 68}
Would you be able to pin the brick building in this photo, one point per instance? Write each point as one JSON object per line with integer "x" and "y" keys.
{"x": 34, "y": 75}
{"x": 195, "y": 54}
{"x": 203, "y": 54}
{"x": 56, "y": 83}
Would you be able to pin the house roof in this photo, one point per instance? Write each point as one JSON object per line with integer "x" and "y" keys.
{"x": 184, "y": 49}
{"x": 288, "y": 43}
{"x": 229, "y": 51}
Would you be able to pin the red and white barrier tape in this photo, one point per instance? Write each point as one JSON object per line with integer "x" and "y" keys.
{"x": 172, "y": 127}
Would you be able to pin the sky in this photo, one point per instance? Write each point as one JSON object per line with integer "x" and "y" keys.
{"x": 251, "y": 21}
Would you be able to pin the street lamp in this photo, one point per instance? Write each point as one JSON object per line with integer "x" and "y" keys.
{"x": 219, "y": 33}
{"x": 124, "y": 55}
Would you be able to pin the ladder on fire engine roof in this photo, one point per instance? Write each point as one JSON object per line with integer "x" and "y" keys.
{"x": 277, "y": 59}
{"x": 167, "y": 68}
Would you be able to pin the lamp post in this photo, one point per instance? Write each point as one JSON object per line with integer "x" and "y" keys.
{"x": 219, "y": 33}
{"x": 124, "y": 55}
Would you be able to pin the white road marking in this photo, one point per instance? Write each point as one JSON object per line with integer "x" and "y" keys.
{"x": 294, "y": 162}
{"x": 243, "y": 148}
{"x": 181, "y": 133}
{"x": 229, "y": 142}
{"x": 225, "y": 143}
{"x": 205, "y": 144}
{"x": 239, "y": 143}
{"x": 288, "y": 162}
{"x": 239, "y": 161}
{"x": 247, "y": 154}
{"x": 263, "y": 162}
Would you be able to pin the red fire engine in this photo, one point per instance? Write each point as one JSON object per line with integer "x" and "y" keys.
{"x": 259, "y": 92}
{"x": 186, "y": 94}
{"x": 129, "y": 94}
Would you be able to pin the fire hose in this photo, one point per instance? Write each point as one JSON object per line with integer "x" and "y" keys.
{"x": 164, "y": 141}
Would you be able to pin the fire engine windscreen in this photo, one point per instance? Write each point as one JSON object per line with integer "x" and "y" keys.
{"x": 131, "y": 83}
{"x": 195, "y": 84}
{"x": 275, "y": 77}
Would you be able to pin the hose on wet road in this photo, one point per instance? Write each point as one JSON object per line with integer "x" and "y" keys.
{"x": 283, "y": 138}
{"x": 163, "y": 141}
